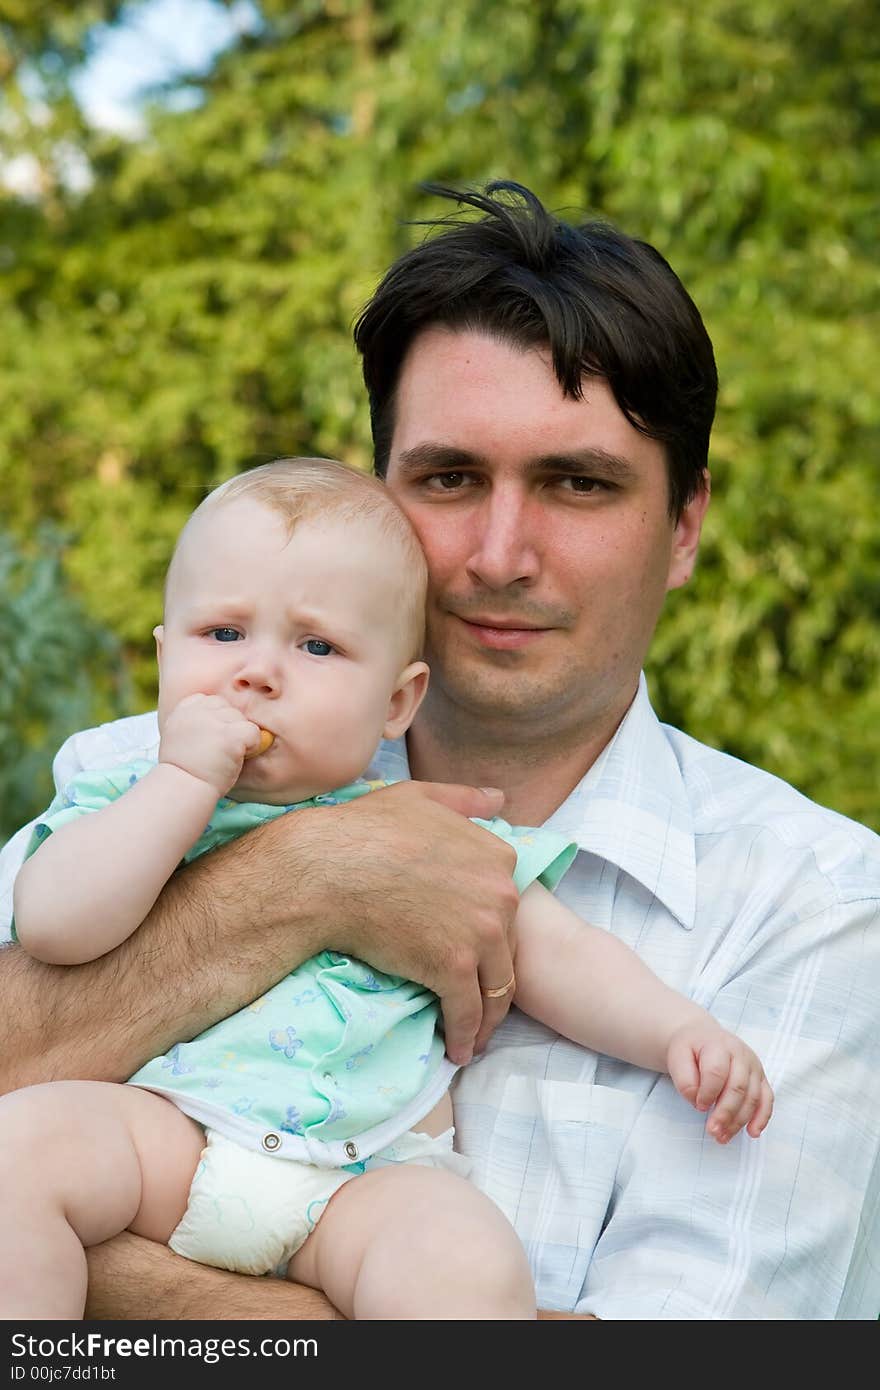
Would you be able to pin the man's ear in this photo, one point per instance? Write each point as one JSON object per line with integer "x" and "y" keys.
{"x": 408, "y": 694}
{"x": 686, "y": 538}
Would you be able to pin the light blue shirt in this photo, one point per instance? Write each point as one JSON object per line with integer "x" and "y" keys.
{"x": 764, "y": 908}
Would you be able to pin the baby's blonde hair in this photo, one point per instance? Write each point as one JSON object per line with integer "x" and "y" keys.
{"x": 309, "y": 489}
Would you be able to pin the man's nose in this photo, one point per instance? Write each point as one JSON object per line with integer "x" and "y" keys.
{"x": 504, "y": 549}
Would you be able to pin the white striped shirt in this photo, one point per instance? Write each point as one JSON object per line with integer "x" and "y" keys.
{"x": 764, "y": 908}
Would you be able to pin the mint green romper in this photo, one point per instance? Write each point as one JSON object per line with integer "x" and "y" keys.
{"x": 337, "y": 1060}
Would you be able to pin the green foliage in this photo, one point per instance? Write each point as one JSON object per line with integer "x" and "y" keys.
{"x": 190, "y": 314}
{"x": 60, "y": 672}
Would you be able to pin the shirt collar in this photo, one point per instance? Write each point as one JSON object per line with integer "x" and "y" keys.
{"x": 631, "y": 809}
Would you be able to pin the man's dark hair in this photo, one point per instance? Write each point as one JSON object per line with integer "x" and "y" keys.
{"x": 605, "y": 304}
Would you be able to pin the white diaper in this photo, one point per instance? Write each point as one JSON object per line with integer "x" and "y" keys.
{"x": 250, "y": 1212}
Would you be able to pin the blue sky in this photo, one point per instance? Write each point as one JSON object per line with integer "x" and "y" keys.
{"x": 155, "y": 40}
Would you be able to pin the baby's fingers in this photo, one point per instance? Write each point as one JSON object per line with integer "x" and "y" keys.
{"x": 744, "y": 1101}
{"x": 764, "y": 1109}
{"x": 715, "y": 1074}
{"x": 683, "y": 1069}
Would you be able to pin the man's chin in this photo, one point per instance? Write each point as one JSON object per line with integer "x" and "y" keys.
{"x": 499, "y": 697}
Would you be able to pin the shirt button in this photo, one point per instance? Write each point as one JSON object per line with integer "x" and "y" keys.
{"x": 271, "y": 1142}
{"x": 351, "y": 1150}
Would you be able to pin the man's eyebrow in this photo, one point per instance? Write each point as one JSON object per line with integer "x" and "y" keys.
{"x": 576, "y": 463}
{"x": 439, "y": 456}
{"x": 582, "y": 463}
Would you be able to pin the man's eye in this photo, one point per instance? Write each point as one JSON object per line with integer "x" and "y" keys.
{"x": 582, "y": 485}
{"x": 315, "y": 647}
{"x": 225, "y": 634}
{"x": 446, "y": 482}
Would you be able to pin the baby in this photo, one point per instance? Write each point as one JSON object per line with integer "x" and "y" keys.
{"x": 310, "y": 1133}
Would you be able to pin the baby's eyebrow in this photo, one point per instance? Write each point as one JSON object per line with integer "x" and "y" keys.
{"x": 218, "y": 614}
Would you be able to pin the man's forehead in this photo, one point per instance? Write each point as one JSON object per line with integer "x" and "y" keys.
{"x": 469, "y": 398}
{"x": 476, "y": 345}
{"x": 449, "y": 375}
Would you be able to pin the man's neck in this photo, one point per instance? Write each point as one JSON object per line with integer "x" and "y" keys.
{"x": 535, "y": 776}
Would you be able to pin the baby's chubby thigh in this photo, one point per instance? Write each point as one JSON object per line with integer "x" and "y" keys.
{"x": 111, "y": 1157}
{"x": 412, "y": 1238}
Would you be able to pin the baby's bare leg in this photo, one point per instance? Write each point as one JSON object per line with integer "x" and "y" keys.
{"x": 407, "y": 1241}
{"x": 84, "y": 1160}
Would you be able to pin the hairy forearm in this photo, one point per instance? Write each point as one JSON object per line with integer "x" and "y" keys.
{"x": 131, "y": 1278}
{"x": 229, "y": 926}
{"x": 223, "y": 931}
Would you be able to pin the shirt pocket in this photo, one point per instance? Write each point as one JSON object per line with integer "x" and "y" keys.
{"x": 548, "y": 1155}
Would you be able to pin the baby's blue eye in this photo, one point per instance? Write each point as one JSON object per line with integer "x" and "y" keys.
{"x": 225, "y": 634}
{"x": 315, "y": 647}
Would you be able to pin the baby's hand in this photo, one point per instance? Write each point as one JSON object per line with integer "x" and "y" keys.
{"x": 205, "y": 736}
{"x": 712, "y": 1067}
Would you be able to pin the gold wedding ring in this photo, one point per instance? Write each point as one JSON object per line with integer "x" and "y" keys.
{"x": 499, "y": 993}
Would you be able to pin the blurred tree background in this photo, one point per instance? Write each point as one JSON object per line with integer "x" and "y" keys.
{"x": 177, "y": 305}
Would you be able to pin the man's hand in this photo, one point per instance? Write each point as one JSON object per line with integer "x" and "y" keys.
{"x": 710, "y": 1066}
{"x": 429, "y": 896}
{"x": 399, "y": 878}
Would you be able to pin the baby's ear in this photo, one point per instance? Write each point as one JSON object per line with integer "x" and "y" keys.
{"x": 408, "y": 694}
{"x": 159, "y": 634}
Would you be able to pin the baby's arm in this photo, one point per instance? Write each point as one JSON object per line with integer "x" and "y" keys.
{"x": 92, "y": 882}
{"x": 591, "y": 988}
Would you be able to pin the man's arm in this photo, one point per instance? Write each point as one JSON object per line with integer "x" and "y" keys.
{"x": 396, "y": 878}
{"x": 130, "y": 1276}
{"x": 121, "y": 1271}
{"x": 372, "y": 877}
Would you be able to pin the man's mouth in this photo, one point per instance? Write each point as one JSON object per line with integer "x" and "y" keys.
{"x": 503, "y": 634}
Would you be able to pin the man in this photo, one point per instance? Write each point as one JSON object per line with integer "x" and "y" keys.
{"x": 541, "y": 399}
